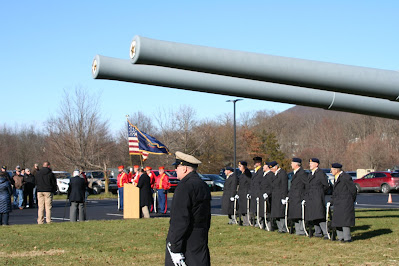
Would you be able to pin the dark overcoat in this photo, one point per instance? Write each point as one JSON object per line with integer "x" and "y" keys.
{"x": 343, "y": 198}
{"x": 145, "y": 190}
{"x": 244, "y": 182}
{"x": 77, "y": 189}
{"x": 265, "y": 187}
{"x": 5, "y": 194}
{"x": 279, "y": 192}
{"x": 254, "y": 189}
{"x": 316, "y": 186}
{"x": 296, "y": 194}
{"x": 229, "y": 190}
{"x": 190, "y": 220}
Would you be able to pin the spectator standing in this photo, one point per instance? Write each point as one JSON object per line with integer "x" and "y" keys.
{"x": 4, "y": 170}
{"x": 5, "y": 198}
{"x": 46, "y": 186}
{"x": 34, "y": 172}
{"x": 29, "y": 185}
{"x": 18, "y": 185}
{"x": 76, "y": 195}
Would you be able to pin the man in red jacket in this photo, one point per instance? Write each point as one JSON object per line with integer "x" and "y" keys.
{"x": 122, "y": 179}
{"x": 162, "y": 185}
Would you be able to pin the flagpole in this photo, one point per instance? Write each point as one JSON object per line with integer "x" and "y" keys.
{"x": 141, "y": 160}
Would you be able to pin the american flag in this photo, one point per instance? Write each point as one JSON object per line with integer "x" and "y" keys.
{"x": 134, "y": 142}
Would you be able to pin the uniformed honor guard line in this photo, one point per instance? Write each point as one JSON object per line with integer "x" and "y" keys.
{"x": 118, "y": 69}
{"x": 365, "y": 81}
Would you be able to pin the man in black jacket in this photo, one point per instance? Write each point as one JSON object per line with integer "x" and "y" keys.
{"x": 190, "y": 216}
{"x": 76, "y": 195}
{"x": 46, "y": 186}
{"x": 229, "y": 193}
{"x": 29, "y": 185}
{"x": 343, "y": 198}
{"x": 244, "y": 182}
{"x": 145, "y": 193}
{"x": 315, "y": 210}
{"x": 279, "y": 194}
{"x": 296, "y": 195}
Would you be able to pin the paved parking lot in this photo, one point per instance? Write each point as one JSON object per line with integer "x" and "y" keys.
{"x": 107, "y": 209}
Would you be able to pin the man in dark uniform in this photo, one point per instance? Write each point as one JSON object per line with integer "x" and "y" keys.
{"x": 254, "y": 189}
{"x": 296, "y": 194}
{"x": 144, "y": 184}
{"x": 343, "y": 198}
{"x": 229, "y": 192}
{"x": 190, "y": 216}
{"x": 279, "y": 193}
{"x": 315, "y": 208}
{"x": 244, "y": 181}
{"x": 265, "y": 191}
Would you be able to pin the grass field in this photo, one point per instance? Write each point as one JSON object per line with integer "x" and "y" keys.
{"x": 142, "y": 242}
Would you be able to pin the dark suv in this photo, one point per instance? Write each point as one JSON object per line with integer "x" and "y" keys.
{"x": 378, "y": 181}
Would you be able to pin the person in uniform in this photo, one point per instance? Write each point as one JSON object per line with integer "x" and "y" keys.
{"x": 343, "y": 198}
{"x": 296, "y": 194}
{"x": 279, "y": 194}
{"x": 229, "y": 192}
{"x": 265, "y": 191}
{"x": 244, "y": 181}
{"x": 121, "y": 180}
{"x": 151, "y": 175}
{"x": 162, "y": 185}
{"x": 190, "y": 216}
{"x": 315, "y": 208}
{"x": 254, "y": 190}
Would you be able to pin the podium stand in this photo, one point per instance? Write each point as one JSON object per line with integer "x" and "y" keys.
{"x": 131, "y": 201}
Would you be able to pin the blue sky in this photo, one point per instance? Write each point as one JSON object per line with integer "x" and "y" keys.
{"x": 48, "y": 46}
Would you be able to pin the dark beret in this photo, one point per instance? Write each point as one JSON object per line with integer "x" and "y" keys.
{"x": 244, "y": 163}
{"x": 336, "y": 165}
{"x": 297, "y": 160}
{"x": 272, "y": 164}
{"x": 315, "y": 160}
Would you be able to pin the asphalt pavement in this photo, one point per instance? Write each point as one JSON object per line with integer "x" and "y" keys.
{"x": 107, "y": 209}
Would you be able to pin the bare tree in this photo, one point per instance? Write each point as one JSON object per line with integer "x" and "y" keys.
{"x": 77, "y": 135}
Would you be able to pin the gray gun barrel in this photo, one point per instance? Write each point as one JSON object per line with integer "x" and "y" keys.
{"x": 292, "y": 71}
{"x": 119, "y": 69}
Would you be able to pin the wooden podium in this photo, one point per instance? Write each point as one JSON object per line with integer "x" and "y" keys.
{"x": 131, "y": 201}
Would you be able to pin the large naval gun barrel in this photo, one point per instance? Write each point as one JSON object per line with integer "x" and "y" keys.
{"x": 123, "y": 70}
{"x": 291, "y": 71}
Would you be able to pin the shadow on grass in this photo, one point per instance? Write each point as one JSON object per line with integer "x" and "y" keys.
{"x": 360, "y": 227}
{"x": 371, "y": 234}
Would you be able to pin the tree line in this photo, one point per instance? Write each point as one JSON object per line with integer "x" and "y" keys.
{"x": 77, "y": 136}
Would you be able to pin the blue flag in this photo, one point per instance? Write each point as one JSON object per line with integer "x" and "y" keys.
{"x": 140, "y": 142}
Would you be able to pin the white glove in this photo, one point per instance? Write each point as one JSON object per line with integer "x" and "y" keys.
{"x": 248, "y": 196}
{"x": 237, "y": 197}
{"x": 232, "y": 199}
{"x": 328, "y": 204}
{"x": 177, "y": 258}
{"x": 265, "y": 196}
{"x": 257, "y": 199}
{"x": 283, "y": 201}
{"x": 303, "y": 202}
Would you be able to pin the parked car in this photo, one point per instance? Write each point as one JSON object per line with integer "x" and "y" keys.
{"x": 63, "y": 178}
{"x": 96, "y": 182}
{"x": 353, "y": 174}
{"x": 383, "y": 181}
{"x": 208, "y": 181}
{"x": 172, "y": 178}
{"x": 218, "y": 181}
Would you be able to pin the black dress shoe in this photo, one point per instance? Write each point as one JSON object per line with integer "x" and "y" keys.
{"x": 347, "y": 241}
{"x": 326, "y": 238}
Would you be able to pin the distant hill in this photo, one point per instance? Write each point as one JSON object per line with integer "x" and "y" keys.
{"x": 304, "y": 110}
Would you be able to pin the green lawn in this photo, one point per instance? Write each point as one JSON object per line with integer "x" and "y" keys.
{"x": 142, "y": 242}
